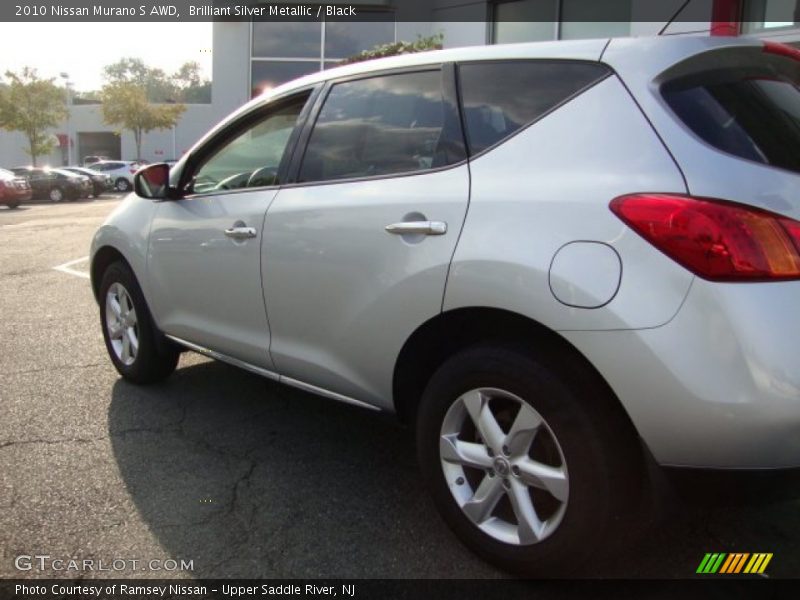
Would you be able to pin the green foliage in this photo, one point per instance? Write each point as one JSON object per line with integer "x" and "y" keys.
{"x": 422, "y": 44}
{"x": 185, "y": 85}
{"x": 32, "y": 105}
{"x": 126, "y": 105}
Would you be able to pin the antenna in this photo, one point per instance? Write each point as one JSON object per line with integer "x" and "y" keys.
{"x": 675, "y": 16}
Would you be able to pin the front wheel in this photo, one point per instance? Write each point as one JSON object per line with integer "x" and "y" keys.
{"x": 525, "y": 469}
{"x": 122, "y": 185}
{"x": 128, "y": 329}
{"x": 56, "y": 194}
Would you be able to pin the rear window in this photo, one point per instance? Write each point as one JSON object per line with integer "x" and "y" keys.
{"x": 751, "y": 115}
{"x": 499, "y": 98}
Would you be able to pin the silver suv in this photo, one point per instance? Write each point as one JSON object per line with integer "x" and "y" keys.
{"x": 557, "y": 261}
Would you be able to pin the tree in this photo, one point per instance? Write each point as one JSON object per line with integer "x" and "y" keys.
{"x": 422, "y": 44}
{"x": 191, "y": 86}
{"x": 185, "y": 85}
{"x": 32, "y": 105}
{"x": 125, "y": 104}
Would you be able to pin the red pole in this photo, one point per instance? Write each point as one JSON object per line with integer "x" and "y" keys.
{"x": 725, "y": 17}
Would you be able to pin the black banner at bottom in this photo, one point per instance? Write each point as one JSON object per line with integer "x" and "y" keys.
{"x": 382, "y": 589}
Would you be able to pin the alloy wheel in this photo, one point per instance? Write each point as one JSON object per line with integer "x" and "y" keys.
{"x": 121, "y": 324}
{"x": 504, "y": 466}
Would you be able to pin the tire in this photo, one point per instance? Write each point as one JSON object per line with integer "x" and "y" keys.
{"x": 122, "y": 185}
{"x": 12, "y": 205}
{"x": 588, "y": 464}
{"x": 132, "y": 344}
{"x": 56, "y": 194}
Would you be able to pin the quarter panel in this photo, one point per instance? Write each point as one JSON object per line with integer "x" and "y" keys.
{"x": 550, "y": 185}
{"x": 719, "y": 386}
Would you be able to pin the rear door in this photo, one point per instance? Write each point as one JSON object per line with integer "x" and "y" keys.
{"x": 357, "y": 250}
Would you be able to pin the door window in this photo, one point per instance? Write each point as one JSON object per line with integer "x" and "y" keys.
{"x": 252, "y": 157}
{"x": 378, "y": 126}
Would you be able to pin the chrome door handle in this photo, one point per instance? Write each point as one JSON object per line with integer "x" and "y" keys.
{"x": 423, "y": 227}
{"x": 241, "y": 233}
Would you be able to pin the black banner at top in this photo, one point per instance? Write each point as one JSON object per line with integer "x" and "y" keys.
{"x": 659, "y": 11}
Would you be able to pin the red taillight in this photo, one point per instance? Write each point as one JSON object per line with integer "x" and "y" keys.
{"x": 716, "y": 240}
{"x": 782, "y": 50}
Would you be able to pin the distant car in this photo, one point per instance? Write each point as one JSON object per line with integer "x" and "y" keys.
{"x": 120, "y": 171}
{"x": 90, "y": 160}
{"x": 13, "y": 189}
{"x": 54, "y": 184}
{"x": 101, "y": 182}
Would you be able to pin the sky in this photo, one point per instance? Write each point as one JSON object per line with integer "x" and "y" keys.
{"x": 83, "y": 49}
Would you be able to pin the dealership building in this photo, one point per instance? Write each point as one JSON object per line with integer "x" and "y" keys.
{"x": 250, "y": 57}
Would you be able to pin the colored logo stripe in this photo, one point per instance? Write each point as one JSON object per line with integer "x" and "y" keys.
{"x": 734, "y": 563}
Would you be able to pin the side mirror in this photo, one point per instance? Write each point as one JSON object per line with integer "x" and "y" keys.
{"x": 152, "y": 182}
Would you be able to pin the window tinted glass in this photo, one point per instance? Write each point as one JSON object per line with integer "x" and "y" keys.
{"x": 753, "y": 116}
{"x": 252, "y": 158}
{"x": 500, "y": 98}
{"x": 377, "y": 126}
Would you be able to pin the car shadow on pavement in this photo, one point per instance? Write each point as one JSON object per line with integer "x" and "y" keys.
{"x": 250, "y": 478}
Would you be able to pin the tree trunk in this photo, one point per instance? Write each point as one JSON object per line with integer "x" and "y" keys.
{"x": 137, "y": 134}
{"x": 32, "y": 142}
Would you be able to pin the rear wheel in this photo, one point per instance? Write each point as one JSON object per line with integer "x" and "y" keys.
{"x": 128, "y": 329}
{"x": 122, "y": 185}
{"x": 527, "y": 470}
{"x": 13, "y": 205}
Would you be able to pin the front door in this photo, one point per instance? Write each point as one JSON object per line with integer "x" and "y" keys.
{"x": 204, "y": 263}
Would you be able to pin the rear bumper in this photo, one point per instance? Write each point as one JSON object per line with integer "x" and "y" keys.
{"x": 718, "y": 386}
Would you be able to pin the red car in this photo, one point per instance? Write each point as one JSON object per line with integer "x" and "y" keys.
{"x": 13, "y": 190}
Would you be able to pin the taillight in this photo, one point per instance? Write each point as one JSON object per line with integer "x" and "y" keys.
{"x": 782, "y": 50}
{"x": 715, "y": 239}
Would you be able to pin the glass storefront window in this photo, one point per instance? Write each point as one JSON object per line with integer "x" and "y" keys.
{"x": 538, "y": 20}
{"x": 346, "y": 38}
{"x": 267, "y": 74}
{"x": 282, "y": 51}
{"x": 764, "y": 16}
{"x": 286, "y": 40}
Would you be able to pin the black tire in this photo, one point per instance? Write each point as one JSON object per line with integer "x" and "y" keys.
{"x": 56, "y": 194}
{"x": 122, "y": 185}
{"x": 154, "y": 361}
{"x": 12, "y": 205}
{"x": 595, "y": 439}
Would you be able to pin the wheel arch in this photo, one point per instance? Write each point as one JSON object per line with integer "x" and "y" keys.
{"x": 449, "y": 332}
{"x": 102, "y": 259}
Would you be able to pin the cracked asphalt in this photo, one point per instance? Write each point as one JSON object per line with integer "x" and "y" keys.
{"x": 240, "y": 475}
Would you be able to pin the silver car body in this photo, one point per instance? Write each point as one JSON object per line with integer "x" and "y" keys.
{"x": 323, "y": 298}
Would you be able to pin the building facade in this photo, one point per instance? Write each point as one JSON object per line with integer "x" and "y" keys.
{"x": 249, "y": 58}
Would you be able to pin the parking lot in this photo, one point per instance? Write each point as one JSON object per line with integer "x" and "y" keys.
{"x": 241, "y": 476}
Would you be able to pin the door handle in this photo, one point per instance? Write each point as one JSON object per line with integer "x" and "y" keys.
{"x": 241, "y": 233}
{"x": 419, "y": 227}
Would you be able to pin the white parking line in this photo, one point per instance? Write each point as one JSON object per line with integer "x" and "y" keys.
{"x": 65, "y": 268}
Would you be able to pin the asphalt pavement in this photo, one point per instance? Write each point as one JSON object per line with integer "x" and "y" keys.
{"x": 239, "y": 475}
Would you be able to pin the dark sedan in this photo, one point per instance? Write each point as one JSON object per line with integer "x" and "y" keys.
{"x": 13, "y": 189}
{"x": 100, "y": 181}
{"x": 54, "y": 184}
